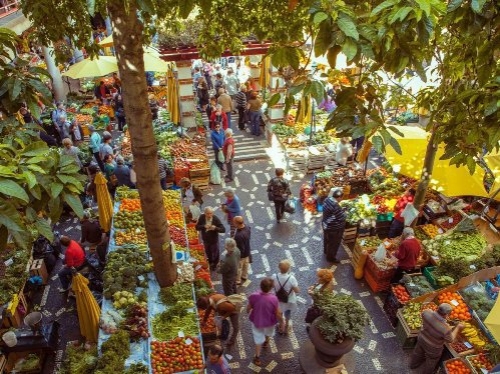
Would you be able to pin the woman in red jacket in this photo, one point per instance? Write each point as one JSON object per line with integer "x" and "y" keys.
{"x": 218, "y": 116}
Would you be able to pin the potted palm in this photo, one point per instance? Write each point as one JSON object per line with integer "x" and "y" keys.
{"x": 340, "y": 325}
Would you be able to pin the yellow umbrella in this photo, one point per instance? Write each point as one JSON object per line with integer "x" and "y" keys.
{"x": 493, "y": 161}
{"x": 98, "y": 67}
{"x": 87, "y": 307}
{"x": 492, "y": 322}
{"x": 107, "y": 41}
{"x": 265, "y": 77}
{"x": 172, "y": 97}
{"x": 449, "y": 180}
{"x": 154, "y": 63}
{"x": 104, "y": 203}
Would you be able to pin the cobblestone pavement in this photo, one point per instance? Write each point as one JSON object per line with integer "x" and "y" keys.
{"x": 300, "y": 240}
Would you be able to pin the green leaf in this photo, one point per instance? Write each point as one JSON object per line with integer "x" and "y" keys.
{"x": 36, "y": 191}
{"x": 91, "y": 7}
{"x": 69, "y": 179}
{"x": 332, "y": 54}
{"x": 378, "y": 143}
{"x": 39, "y": 71}
{"x": 44, "y": 229}
{"x": 350, "y": 49}
{"x": 7, "y": 170}
{"x": 16, "y": 90}
{"x": 394, "y": 144}
{"x": 294, "y": 90}
{"x": 491, "y": 108}
{"x": 400, "y": 14}
{"x": 317, "y": 91}
{"x": 454, "y": 5}
{"x": 75, "y": 203}
{"x": 10, "y": 217}
{"x": 347, "y": 26}
{"x": 55, "y": 189}
{"x": 55, "y": 208}
{"x": 323, "y": 39}
{"x": 319, "y": 17}
{"x": 4, "y": 236}
{"x": 425, "y": 5}
{"x": 477, "y": 5}
{"x": 36, "y": 168}
{"x": 30, "y": 178}
{"x": 382, "y": 6}
{"x": 31, "y": 214}
{"x": 386, "y": 135}
{"x": 147, "y": 6}
{"x": 274, "y": 99}
{"x": 471, "y": 164}
{"x": 10, "y": 188}
{"x": 35, "y": 149}
{"x": 396, "y": 130}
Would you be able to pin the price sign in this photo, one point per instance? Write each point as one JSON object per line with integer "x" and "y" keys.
{"x": 440, "y": 231}
{"x": 454, "y": 302}
{"x": 450, "y": 220}
{"x": 386, "y": 243}
{"x": 9, "y": 262}
{"x": 188, "y": 341}
{"x": 468, "y": 345}
{"x": 363, "y": 242}
{"x": 180, "y": 334}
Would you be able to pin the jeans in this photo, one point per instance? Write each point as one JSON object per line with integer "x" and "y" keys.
{"x": 212, "y": 252}
{"x": 425, "y": 357}
{"x": 121, "y": 122}
{"x": 235, "y": 323}
{"x": 228, "y": 114}
{"x": 229, "y": 166}
{"x": 217, "y": 161}
{"x": 255, "y": 123}
{"x": 241, "y": 118}
{"x": 65, "y": 276}
{"x": 163, "y": 183}
{"x": 279, "y": 207}
{"x": 99, "y": 161}
{"x": 229, "y": 284}
{"x": 331, "y": 243}
{"x": 396, "y": 228}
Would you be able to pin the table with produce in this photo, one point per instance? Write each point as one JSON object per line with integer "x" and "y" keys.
{"x": 162, "y": 324}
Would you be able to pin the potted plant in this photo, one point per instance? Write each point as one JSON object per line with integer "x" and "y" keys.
{"x": 340, "y": 325}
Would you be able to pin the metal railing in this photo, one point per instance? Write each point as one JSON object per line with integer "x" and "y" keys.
{"x": 8, "y": 6}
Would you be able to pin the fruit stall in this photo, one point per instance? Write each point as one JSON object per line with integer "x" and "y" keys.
{"x": 158, "y": 326}
{"x": 473, "y": 305}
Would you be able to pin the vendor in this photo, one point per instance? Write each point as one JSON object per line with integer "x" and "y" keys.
{"x": 435, "y": 332}
{"x": 406, "y": 255}
{"x": 398, "y": 223}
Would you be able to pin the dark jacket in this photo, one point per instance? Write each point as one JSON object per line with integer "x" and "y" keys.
{"x": 198, "y": 195}
{"x": 210, "y": 236}
{"x": 91, "y": 232}
{"x": 279, "y": 187}
{"x": 122, "y": 173}
{"x": 242, "y": 239}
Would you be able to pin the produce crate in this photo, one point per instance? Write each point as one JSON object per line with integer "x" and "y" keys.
{"x": 199, "y": 173}
{"x": 430, "y": 277}
{"x": 375, "y": 284}
{"x": 201, "y": 182}
{"x": 380, "y": 274}
{"x": 385, "y": 216}
{"x": 482, "y": 326}
{"x": 350, "y": 235}
{"x": 382, "y": 228}
{"x": 179, "y": 174}
{"x": 456, "y": 359}
{"x": 459, "y": 354}
{"x": 469, "y": 359}
{"x": 38, "y": 268}
{"x": 15, "y": 356}
{"x": 3, "y": 362}
{"x": 404, "y": 335}
{"x": 391, "y": 308}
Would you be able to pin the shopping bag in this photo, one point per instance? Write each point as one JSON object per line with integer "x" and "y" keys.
{"x": 290, "y": 205}
{"x": 409, "y": 214}
{"x": 380, "y": 254}
{"x": 215, "y": 177}
{"x": 221, "y": 156}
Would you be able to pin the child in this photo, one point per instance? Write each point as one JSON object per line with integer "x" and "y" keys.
{"x": 194, "y": 210}
{"x": 216, "y": 363}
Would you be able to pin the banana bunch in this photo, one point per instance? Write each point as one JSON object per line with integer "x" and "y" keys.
{"x": 473, "y": 336}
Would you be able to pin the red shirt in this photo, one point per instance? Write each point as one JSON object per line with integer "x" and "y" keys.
{"x": 408, "y": 253}
{"x": 213, "y": 120}
{"x": 400, "y": 206}
{"x": 74, "y": 255}
{"x": 227, "y": 142}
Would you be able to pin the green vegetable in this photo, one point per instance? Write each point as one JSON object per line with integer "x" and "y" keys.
{"x": 178, "y": 292}
{"x": 79, "y": 361}
{"x": 166, "y": 327}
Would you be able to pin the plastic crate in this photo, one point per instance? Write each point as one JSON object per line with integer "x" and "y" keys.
{"x": 391, "y": 308}
{"x": 378, "y": 273}
{"x": 430, "y": 277}
{"x": 381, "y": 217}
{"x": 375, "y": 284}
{"x": 404, "y": 335}
{"x": 456, "y": 359}
{"x": 474, "y": 370}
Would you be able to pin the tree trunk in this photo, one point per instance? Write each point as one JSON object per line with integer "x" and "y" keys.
{"x": 57, "y": 82}
{"x": 128, "y": 41}
{"x": 430, "y": 156}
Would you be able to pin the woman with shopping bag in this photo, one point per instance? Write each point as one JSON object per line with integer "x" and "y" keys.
{"x": 218, "y": 138}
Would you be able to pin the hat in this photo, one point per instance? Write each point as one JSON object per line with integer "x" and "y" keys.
{"x": 91, "y": 128}
{"x": 120, "y": 160}
{"x": 408, "y": 231}
{"x": 444, "y": 309}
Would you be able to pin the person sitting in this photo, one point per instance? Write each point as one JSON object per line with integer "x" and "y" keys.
{"x": 74, "y": 258}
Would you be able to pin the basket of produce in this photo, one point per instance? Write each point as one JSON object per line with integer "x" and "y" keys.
{"x": 457, "y": 366}
{"x": 368, "y": 243}
{"x": 381, "y": 270}
{"x": 478, "y": 300}
{"x": 417, "y": 285}
{"x": 460, "y": 310}
{"x": 479, "y": 363}
{"x": 460, "y": 347}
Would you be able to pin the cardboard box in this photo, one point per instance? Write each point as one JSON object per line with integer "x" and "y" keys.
{"x": 38, "y": 268}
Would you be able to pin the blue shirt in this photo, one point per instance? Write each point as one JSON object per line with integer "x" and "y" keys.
{"x": 95, "y": 142}
{"x": 233, "y": 208}
{"x": 218, "y": 139}
{"x": 221, "y": 367}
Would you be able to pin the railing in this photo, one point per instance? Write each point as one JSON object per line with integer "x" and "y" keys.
{"x": 8, "y": 6}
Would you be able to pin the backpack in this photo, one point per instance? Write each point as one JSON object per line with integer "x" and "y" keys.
{"x": 282, "y": 294}
{"x": 237, "y": 300}
{"x": 278, "y": 189}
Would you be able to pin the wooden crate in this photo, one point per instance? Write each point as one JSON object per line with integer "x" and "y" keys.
{"x": 15, "y": 356}
{"x": 38, "y": 268}
{"x": 458, "y": 359}
{"x": 3, "y": 362}
{"x": 404, "y": 335}
{"x": 15, "y": 320}
{"x": 202, "y": 183}
{"x": 199, "y": 173}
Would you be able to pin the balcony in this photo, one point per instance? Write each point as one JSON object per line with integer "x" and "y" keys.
{"x": 8, "y": 7}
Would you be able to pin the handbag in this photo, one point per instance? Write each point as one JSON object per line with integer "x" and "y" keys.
{"x": 290, "y": 206}
{"x": 312, "y": 313}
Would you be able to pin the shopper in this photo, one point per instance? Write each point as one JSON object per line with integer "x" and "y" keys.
{"x": 223, "y": 309}
{"x": 63, "y": 127}
{"x": 207, "y": 73}
{"x": 242, "y": 236}
{"x": 216, "y": 363}
{"x": 254, "y": 106}
{"x": 218, "y": 138}
{"x": 287, "y": 281}
{"x": 278, "y": 190}
{"x": 344, "y": 151}
{"x": 58, "y": 112}
{"x": 76, "y": 132}
{"x": 95, "y": 144}
{"x": 70, "y": 150}
{"x": 190, "y": 192}
{"x": 406, "y": 255}
{"x": 74, "y": 257}
{"x": 109, "y": 170}
{"x": 333, "y": 223}
{"x": 164, "y": 171}
{"x": 232, "y": 83}
{"x": 228, "y": 266}
{"x": 229, "y": 151}
{"x": 398, "y": 223}
{"x": 241, "y": 105}
{"x": 153, "y": 106}
{"x": 202, "y": 93}
{"x": 219, "y": 83}
{"x": 211, "y": 109}
{"x": 91, "y": 231}
{"x": 122, "y": 173}
{"x": 431, "y": 339}
{"x": 231, "y": 207}
{"x": 210, "y": 227}
{"x": 120, "y": 112}
{"x": 105, "y": 147}
{"x": 218, "y": 117}
{"x": 265, "y": 314}
{"x": 227, "y": 105}
{"x": 102, "y": 92}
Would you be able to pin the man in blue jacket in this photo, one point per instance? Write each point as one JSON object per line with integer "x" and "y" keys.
{"x": 218, "y": 138}
{"x": 95, "y": 143}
